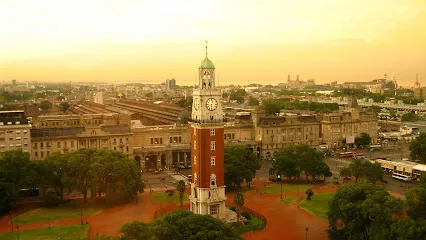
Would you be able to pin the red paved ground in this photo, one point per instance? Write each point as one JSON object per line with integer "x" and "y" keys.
{"x": 284, "y": 221}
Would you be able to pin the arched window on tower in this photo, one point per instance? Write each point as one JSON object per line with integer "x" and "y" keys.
{"x": 213, "y": 180}
{"x": 204, "y": 84}
{"x": 210, "y": 84}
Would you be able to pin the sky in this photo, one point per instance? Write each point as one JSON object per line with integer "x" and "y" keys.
{"x": 250, "y": 41}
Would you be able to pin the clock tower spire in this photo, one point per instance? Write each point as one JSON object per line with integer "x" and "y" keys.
{"x": 207, "y": 145}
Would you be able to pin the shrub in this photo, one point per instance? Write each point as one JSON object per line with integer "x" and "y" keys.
{"x": 170, "y": 192}
{"x": 309, "y": 194}
{"x": 233, "y": 208}
{"x": 51, "y": 199}
{"x": 246, "y": 215}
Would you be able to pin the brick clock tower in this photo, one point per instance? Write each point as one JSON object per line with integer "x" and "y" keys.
{"x": 207, "y": 145}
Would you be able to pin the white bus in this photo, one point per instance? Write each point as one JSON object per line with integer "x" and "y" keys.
{"x": 401, "y": 177}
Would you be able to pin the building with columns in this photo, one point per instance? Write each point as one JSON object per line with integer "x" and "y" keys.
{"x": 207, "y": 145}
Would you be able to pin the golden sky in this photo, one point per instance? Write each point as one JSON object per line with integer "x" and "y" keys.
{"x": 249, "y": 40}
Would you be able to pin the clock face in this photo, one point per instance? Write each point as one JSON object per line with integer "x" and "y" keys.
{"x": 211, "y": 104}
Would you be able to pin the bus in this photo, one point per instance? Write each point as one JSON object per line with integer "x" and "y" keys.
{"x": 401, "y": 177}
{"x": 375, "y": 147}
{"x": 346, "y": 154}
{"x": 358, "y": 155}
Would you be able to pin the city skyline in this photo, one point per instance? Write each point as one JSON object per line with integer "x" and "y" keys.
{"x": 153, "y": 41}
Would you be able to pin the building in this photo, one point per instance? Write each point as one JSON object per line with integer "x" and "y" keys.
{"x": 170, "y": 84}
{"x": 99, "y": 98}
{"x": 277, "y": 132}
{"x": 207, "y": 146}
{"x": 341, "y": 129}
{"x": 67, "y": 133}
{"x": 420, "y": 92}
{"x": 14, "y": 131}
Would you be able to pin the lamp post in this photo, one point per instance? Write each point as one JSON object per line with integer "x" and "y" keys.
{"x": 81, "y": 215}
{"x": 306, "y": 233}
{"x": 281, "y": 190}
{"x": 17, "y": 229}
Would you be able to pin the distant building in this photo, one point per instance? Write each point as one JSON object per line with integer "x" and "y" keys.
{"x": 67, "y": 133}
{"x": 14, "y": 82}
{"x": 99, "y": 98}
{"x": 14, "y": 131}
{"x": 420, "y": 92}
{"x": 170, "y": 84}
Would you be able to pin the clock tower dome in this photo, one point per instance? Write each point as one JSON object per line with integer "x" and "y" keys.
{"x": 207, "y": 145}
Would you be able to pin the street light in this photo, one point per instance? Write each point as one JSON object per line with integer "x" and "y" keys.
{"x": 81, "y": 215}
{"x": 306, "y": 233}
{"x": 17, "y": 228}
{"x": 281, "y": 190}
{"x": 11, "y": 219}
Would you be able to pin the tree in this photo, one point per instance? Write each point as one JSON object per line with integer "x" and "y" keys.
{"x": 45, "y": 105}
{"x": 240, "y": 165}
{"x": 239, "y": 203}
{"x": 374, "y": 108}
{"x": 184, "y": 103}
{"x": 286, "y": 166}
{"x": 253, "y": 101}
{"x": 238, "y": 95}
{"x": 373, "y": 172}
{"x": 357, "y": 167}
{"x": 363, "y": 140}
{"x": 416, "y": 209}
{"x": 181, "y": 188}
{"x": 308, "y": 160}
{"x": 367, "y": 211}
{"x": 64, "y": 106}
{"x": 346, "y": 172}
{"x": 410, "y": 117}
{"x": 149, "y": 95}
{"x": 418, "y": 148}
{"x": 180, "y": 225}
{"x": 271, "y": 107}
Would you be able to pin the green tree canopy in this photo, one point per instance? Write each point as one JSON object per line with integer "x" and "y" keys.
{"x": 241, "y": 164}
{"x": 180, "y": 225}
{"x": 367, "y": 211}
{"x": 293, "y": 160}
{"x": 363, "y": 140}
{"x": 45, "y": 105}
{"x": 253, "y": 101}
{"x": 410, "y": 117}
{"x": 64, "y": 106}
{"x": 418, "y": 148}
{"x": 238, "y": 95}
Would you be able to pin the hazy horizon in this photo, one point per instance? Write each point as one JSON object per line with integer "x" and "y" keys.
{"x": 131, "y": 41}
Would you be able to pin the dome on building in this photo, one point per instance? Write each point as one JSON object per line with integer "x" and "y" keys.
{"x": 206, "y": 63}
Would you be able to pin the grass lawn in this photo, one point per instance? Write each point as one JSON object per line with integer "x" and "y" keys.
{"x": 163, "y": 197}
{"x": 288, "y": 200}
{"x": 330, "y": 185}
{"x": 275, "y": 188}
{"x": 54, "y": 233}
{"x": 69, "y": 210}
{"x": 318, "y": 205}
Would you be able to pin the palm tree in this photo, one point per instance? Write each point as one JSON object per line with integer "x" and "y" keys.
{"x": 239, "y": 202}
{"x": 181, "y": 188}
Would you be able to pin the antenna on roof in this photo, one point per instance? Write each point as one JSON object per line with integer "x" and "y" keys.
{"x": 206, "y": 48}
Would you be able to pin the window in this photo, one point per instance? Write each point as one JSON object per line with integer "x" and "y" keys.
{"x": 36, "y": 154}
{"x": 212, "y": 132}
{"x": 195, "y": 159}
{"x": 213, "y": 180}
{"x": 127, "y": 148}
{"x": 41, "y": 145}
{"x": 195, "y": 144}
{"x": 214, "y": 209}
{"x": 35, "y": 145}
{"x": 212, "y": 145}
{"x": 42, "y": 154}
{"x": 213, "y": 161}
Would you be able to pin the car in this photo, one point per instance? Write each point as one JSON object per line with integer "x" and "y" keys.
{"x": 405, "y": 159}
{"x": 347, "y": 178}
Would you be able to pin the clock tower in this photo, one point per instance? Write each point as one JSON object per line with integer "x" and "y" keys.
{"x": 207, "y": 145}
